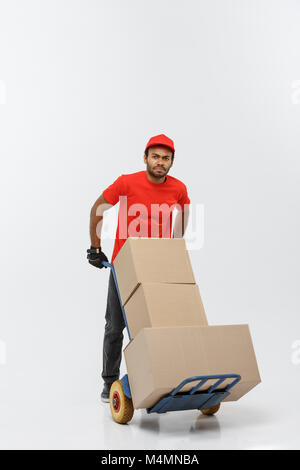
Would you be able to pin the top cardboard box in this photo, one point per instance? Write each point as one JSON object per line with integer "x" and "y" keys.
{"x": 152, "y": 260}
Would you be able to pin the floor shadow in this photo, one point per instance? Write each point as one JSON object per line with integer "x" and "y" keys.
{"x": 207, "y": 424}
{"x": 149, "y": 422}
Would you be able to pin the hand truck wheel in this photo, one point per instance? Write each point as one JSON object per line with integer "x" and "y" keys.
{"x": 212, "y": 410}
{"x": 121, "y": 407}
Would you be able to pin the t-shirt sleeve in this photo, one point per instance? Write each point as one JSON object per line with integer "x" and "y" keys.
{"x": 116, "y": 189}
{"x": 183, "y": 198}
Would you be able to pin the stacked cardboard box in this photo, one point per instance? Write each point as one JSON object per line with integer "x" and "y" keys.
{"x": 170, "y": 336}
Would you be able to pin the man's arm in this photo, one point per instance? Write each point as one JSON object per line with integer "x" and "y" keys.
{"x": 180, "y": 223}
{"x": 96, "y": 220}
{"x": 95, "y": 254}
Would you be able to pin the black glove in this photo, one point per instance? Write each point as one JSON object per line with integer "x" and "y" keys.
{"x": 96, "y": 256}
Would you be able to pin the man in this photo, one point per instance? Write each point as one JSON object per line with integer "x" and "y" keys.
{"x": 152, "y": 195}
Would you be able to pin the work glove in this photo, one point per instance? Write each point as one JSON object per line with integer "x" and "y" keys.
{"x": 96, "y": 256}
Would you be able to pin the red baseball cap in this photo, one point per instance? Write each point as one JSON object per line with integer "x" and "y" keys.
{"x": 161, "y": 139}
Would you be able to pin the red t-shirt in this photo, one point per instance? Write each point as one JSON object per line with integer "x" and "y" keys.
{"x": 145, "y": 207}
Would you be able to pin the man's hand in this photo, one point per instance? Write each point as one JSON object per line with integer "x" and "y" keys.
{"x": 96, "y": 256}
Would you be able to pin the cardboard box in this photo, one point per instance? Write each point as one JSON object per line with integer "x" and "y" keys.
{"x": 162, "y": 304}
{"x": 158, "y": 359}
{"x": 152, "y": 260}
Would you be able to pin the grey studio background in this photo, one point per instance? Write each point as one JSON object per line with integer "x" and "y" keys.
{"x": 83, "y": 86}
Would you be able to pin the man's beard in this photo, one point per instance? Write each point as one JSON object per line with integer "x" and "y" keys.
{"x": 156, "y": 175}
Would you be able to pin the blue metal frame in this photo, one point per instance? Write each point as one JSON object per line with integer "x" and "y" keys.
{"x": 195, "y": 399}
{"x": 204, "y": 378}
{"x": 126, "y": 387}
{"x": 177, "y": 400}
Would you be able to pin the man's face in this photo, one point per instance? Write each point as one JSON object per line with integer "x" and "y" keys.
{"x": 159, "y": 161}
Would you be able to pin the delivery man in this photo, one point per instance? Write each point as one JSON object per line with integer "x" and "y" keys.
{"x": 141, "y": 195}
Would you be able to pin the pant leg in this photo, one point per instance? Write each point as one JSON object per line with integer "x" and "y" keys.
{"x": 113, "y": 335}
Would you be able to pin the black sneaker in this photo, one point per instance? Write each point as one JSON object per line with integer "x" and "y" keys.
{"x": 105, "y": 392}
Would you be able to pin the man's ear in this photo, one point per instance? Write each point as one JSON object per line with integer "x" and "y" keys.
{"x": 145, "y": 158}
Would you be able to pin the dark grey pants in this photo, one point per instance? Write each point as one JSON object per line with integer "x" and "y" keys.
{"x": 113, "y": 335}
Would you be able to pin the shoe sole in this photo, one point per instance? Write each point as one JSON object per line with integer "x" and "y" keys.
{"x": 105, "y": 400}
